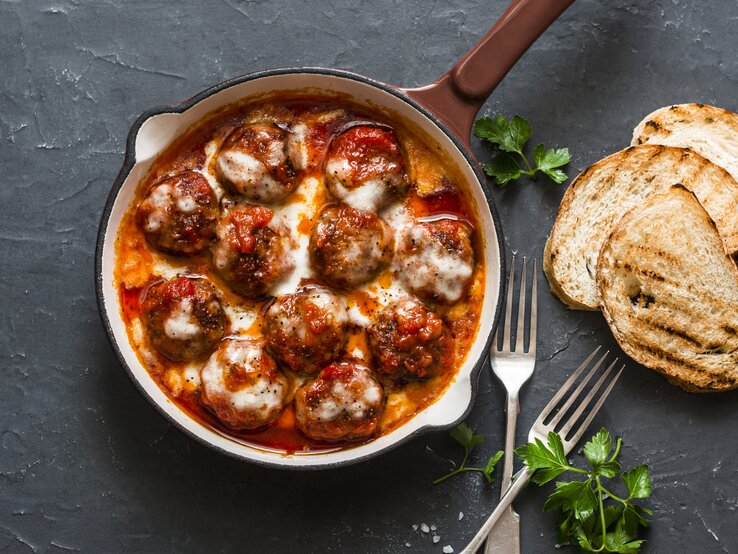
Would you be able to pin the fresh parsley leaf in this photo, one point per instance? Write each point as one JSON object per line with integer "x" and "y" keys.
{"x": 503, "y": 168}
{"x": 638, "y": 482}
{"x": 583, "y": 540}
{"x": 574, "y": 496}
{"x": 598, "y": 449}
{"x": 548, "y": 462}
{"x": 609, "y": 469}
{"x": 465, "y": 436}
{"x": 549, "y": 161}
{"x": 592, "y": 516}
{"x": 619, "y": 541}
{"x": 510, "y": 138}
{"x": 489, "y": 468}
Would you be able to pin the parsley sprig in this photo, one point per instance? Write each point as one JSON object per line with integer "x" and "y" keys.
{"x": 468, "y": 440}
{"x": 593, "y": 516}
{"x": 510, "y": 138}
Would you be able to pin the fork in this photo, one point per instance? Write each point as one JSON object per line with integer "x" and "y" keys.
{"x": 553, "y": 420}
{"x": 513, "y": 367}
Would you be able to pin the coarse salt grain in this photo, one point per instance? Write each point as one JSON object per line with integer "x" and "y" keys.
{"x": 433, "y": 527}
{"x": 415, "y": 527}
{"x": 436, "y": 538}
{"x": 424, "y": 528}
{"x": 447, "y": 549}
{"x": 461, "y": 516}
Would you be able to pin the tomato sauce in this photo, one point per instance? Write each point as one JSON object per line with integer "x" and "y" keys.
{"x": 138, "y": 263}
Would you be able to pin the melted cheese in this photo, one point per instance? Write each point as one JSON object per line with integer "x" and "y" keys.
{"x": 261, "y": 396}
{"x": 435, "y": 268}
{"x": 247, "y": 173}
{"x": 186, "y": 204}
{"x": 182, "y": 324}
{"x": 289, "y": 217}
{"x": 371, "y": 195}
{"x": 240, "y": 317}
{"x": 343, "y": 400}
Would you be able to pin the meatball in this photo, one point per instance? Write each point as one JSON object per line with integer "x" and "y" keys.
{"x": 306, "y": 330}
{"x": 344, "y": 403}
{"x": 254, "y": 163}
{"x": 348, "y": 246}
{"x": 250, "y": 255}
{"x": 242, "y": 385}
{"x": 182, "y": 317}
{"x": 364, "y": 167}
{"x": 179, "y": 213}
{"x": 435, "y": 260}
{"x": 407, "y": 340}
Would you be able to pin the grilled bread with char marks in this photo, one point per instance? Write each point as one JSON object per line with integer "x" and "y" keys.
{"x": 599, "y": 197}
{"x": 669, "y": 292}
{"x": 709, "y": 131}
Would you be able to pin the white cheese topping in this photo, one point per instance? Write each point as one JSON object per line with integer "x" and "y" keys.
{"x": 433, "y": 267}
{"x": 155, "y": 220}
{"x": 369, "y": 196}
{"x": 246, "y": 172}
{"x": 161, "y": 197}
{"x": 345, "y": 400}
{"x": 182, "y": 324}
{"x": 289, "y": 217}
{"x": 262, "y": 396}
{"x": 186, "y": 204}
{"x": 240, "y": 317}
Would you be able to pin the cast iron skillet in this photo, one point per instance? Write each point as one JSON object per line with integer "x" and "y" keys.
{"x": 445, "y": 110}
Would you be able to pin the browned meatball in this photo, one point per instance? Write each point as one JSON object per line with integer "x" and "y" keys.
{"x": 348, "y": 247}
{"x": 182, "y": 317}
{"x": 343, "y": 404}
{"x": 241, "y": 384}
{"x": 249, "y": 254}
{"x": 407, "y": 340}
{"x": 179, "y": 213}
{"x": 306, "y": 330}
{"x": 436, "y": 260}
{"x": 254, "y": 163}
{"x": 365, "y": 168}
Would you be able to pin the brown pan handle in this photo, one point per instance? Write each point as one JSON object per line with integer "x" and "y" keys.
{"x": 456, "y": 96}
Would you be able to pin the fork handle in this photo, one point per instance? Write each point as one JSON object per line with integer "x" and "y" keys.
{"x": 520, "y": 479}
{"x": 504, "y": 538}
{"x": 513, "y": 409}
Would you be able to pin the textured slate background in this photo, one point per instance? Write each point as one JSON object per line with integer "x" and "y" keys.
{"x": 87, "y": 465}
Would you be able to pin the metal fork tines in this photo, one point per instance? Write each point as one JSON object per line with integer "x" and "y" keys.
{"x": 568, "y": 414}
{"x": 513, "y": 365}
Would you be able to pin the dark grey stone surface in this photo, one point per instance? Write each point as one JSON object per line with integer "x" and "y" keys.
{"x": 86, "y": 464}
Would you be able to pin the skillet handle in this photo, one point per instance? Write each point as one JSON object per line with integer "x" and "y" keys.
{"x": 457, "y": 95}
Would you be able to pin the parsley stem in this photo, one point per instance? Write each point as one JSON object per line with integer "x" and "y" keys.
{"x": 602, "y": 515}
{"x": 530, "y": 171}
{"x": 611, "y": 495}
{"x": 618, "y": 444}
{"x": 456, "y": 472}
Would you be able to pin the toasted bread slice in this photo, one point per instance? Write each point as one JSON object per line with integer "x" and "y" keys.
{"x": 669, "y": 292}
{"x": 709, "y": 131}
{"x": 600, "y": 195}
